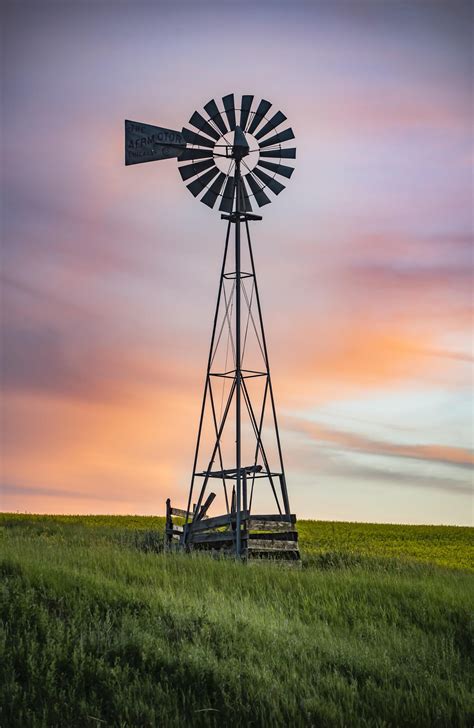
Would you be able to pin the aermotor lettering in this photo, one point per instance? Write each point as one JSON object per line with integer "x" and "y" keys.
{"x": 161, "y": 137}
{"x": 146, "y": 143}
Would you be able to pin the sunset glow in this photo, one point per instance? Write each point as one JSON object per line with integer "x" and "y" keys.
{"x": 364, "y": 261}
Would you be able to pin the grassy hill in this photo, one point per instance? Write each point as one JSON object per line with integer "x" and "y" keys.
{"x": 100, "y": 628}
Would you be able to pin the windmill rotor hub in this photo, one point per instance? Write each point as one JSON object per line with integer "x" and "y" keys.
{"x": 240, "y": 148}
{"x": 225, "y": 158}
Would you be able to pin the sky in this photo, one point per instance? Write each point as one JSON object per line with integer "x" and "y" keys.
{"x": 110, "y": 273}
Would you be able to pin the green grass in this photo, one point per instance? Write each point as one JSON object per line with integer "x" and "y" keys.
{"x": 99, "y": 628}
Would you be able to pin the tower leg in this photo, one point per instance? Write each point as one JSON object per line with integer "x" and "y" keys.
{"x": 209, "y": 363}
{"x": 284, "y": 491}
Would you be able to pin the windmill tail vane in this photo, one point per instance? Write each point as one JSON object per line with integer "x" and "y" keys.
{"x": 231, "y": 159}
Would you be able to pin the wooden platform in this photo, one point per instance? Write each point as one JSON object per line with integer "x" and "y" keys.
{"x": 262, "y": 536}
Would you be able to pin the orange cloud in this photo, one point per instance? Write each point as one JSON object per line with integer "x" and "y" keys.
{"x": 125, "y": 451}
{"x": 350, "y": 356}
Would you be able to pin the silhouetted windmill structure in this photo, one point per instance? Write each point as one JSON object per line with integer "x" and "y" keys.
{"x": 232, "y": 157}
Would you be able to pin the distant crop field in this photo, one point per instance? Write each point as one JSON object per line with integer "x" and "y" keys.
{"x": 450, "y": 546}
{"x": 99, "y": 627}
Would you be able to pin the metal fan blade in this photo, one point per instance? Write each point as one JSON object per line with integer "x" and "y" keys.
{"x": 259, "y": 114}
{"x": 212, "y": 194}
{"x": 280, "y": 153}
{"x": 228, "y": 195}
{"x": 200, "y": 183}
{"x": 189, "y": 154}
{"x": 229, "y": 107}
{"x": 283, "y": 136}
{"x": 245, "y": 110}
{"x": 245, "y": 201}
{"x": 271, "y": 125}
{"x": 191, "y": 170}
{"x": 196, "y": 139}
{"x": 270, "y": 182}
{"x": 257, "y": 191}
{"x": 216, "y": 116}
{"x": 200, "y": 123}
{"x": 278, "y": 168}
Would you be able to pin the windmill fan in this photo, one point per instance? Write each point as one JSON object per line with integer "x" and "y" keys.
{"x": 248, "y": 133}
{"x": 231, "y": 159}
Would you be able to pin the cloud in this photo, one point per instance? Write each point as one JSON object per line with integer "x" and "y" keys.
{"x": 349, "y": 441}
{"x": 39, "y": 296}
{"x": 126, "y": 448}
{"x": 37, "y": 222}
{"x": 371, "y": 311}
{"x": 354, "y": 473}
{"x": 15, "y": 489}
{"x": 412, "y": 480}
{"x": 445, "y": 354}
{"x": 51, "y": 345}
{"x": 36, "y": 360}
{"x": 383, "y": 112}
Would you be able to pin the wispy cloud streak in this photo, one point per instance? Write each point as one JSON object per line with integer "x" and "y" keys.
{"x": 349, "y": 441}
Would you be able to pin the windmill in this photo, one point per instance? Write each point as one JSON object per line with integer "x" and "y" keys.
{"x": 231, "y": 159}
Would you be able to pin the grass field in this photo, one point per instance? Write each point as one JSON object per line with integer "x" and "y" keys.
{"x": 100, "y": 628}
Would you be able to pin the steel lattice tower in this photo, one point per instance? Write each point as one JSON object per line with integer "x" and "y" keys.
{"x": 236, "y": 161}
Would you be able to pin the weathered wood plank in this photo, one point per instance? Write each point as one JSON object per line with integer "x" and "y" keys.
{"x": 274, "y": 517}
{"x": 263, "y": 545}
{"x": 205, "y": 507}
{"x": 216, "y": 537}
{"x": 258, "y": 525}
{"x": 230, "y": 473}
{"x": 215, "y": 522}
{"x": 179, "y": 512}
{"x": 275, "y": 536}
{"x": 289, "y": 549}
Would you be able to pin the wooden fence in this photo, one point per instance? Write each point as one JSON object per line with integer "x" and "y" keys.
{"x": 268, "y": 536}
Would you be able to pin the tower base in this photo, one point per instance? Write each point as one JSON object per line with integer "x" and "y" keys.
{"x": 267, "y": 536}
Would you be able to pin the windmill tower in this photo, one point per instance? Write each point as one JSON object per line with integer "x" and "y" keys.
{"x": 231, "y": 161}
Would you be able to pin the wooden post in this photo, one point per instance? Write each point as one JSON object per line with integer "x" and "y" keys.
{"x": 168, "y": 525}
{"x": 238, "y": 545}
{"x": 204, "y": 508}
